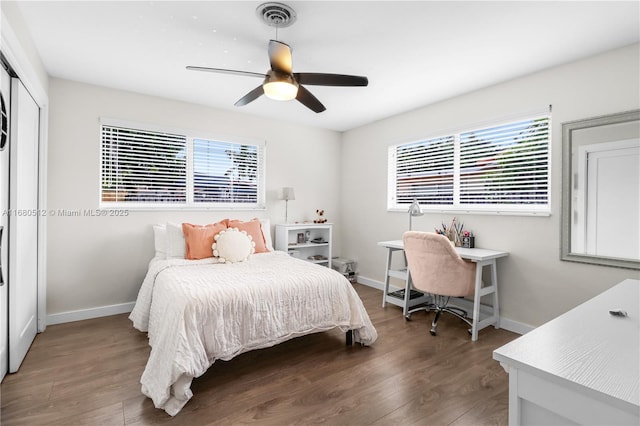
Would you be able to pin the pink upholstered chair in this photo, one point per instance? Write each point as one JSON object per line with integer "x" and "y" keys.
{"x": 436, "y": 268}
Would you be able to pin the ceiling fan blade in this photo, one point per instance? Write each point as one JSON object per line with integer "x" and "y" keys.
{"x": 251, "y": 96}
{"x": 320, "y": 79}
{"x": 307, "y": 99}
{"x": 280, "y": 56}
{"x": 225, "y": 71}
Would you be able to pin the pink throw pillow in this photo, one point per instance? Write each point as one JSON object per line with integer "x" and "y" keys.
{"x": 253, "y": 228}
{"x": 199, "y": 239}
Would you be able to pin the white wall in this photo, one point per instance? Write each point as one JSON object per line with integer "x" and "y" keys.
{"x": 101, "y": 261}
{"x": 535, "y": 286}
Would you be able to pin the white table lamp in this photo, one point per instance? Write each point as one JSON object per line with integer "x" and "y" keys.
{"x": 287, "y": 194}
{"x": 414, "y": 210}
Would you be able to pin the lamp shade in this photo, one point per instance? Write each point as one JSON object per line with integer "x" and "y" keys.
{"x": 414, "y": 209}
{"x": 287, "y": 194}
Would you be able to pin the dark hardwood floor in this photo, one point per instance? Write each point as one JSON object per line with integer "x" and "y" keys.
{"x": 87, "y": 373}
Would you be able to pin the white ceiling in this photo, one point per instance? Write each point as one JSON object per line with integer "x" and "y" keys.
{"x": 414, "y": 53}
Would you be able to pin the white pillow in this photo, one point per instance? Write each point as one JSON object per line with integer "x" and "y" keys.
{"x": 175, "y": 241}
{"x": 232, "y": 246}
{"x": 160, "y": 240}
{"x": 266, "y": 232}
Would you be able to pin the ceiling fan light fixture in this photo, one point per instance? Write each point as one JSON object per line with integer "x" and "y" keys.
{"x": 280, "y": 90}
{"x": 280, "y": 87}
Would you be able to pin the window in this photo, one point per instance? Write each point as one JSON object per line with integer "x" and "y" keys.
{"x": 225, "y": 173}
{"x": 143, "y": 168}
{"x": 424, "y": 170}
{"x": 502, "y": 168}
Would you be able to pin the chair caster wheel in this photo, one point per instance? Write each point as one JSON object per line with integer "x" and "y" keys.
{"x": 407, "y": 317}
{"x": 432, "y": 332}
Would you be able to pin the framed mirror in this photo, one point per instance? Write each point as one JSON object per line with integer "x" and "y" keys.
{"x": 601, "y": 190}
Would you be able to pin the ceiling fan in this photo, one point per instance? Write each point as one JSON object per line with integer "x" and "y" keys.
{"x": 280, "y": 82}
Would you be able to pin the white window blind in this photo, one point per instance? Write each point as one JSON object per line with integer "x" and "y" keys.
{"x": 226, "y": 173}
{"x": 153, "y": 169}
{"x": 424, "y": 171}
{"x": 506, "y": 164}
{"x": 501, "y": 168}
{"x": 141, "y": 166}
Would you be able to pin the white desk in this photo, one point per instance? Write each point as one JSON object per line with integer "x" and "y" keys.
{"x": 580, "y": 368}
{"x": 481, "y": 257}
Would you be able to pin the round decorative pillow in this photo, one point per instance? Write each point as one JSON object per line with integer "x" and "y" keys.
{"x": 232, "y": 245}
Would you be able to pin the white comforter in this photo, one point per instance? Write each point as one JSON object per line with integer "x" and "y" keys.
{"x": 198, "y": 311}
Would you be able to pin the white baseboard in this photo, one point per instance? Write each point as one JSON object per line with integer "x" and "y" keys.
{"x": 370, "y": 283}
{"x": 84, "y": 314}
{"x": 505, "y": 323}
{"x": 515, "y": 326}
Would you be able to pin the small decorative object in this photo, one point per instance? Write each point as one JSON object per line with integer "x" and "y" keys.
{"x": 454, "y": 232}
{"x": 307, "y": 236}
{"x": 468, "y": 240}
{"x": 300, "y": 238}
{"x": 321, "y": 218}
{"x": 316, "y": 257}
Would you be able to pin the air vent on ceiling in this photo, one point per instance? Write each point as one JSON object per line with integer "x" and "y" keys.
{"x": 276, "y": 14}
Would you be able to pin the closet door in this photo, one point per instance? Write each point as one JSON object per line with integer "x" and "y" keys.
{"x": 5, "y": 91}
{"x": 23, "y": 224}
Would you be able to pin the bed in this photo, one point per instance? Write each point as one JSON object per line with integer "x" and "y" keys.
{"x": 198, "y": 311}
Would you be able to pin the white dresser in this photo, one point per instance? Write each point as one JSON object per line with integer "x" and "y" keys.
{"x": 580, "y": 368}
